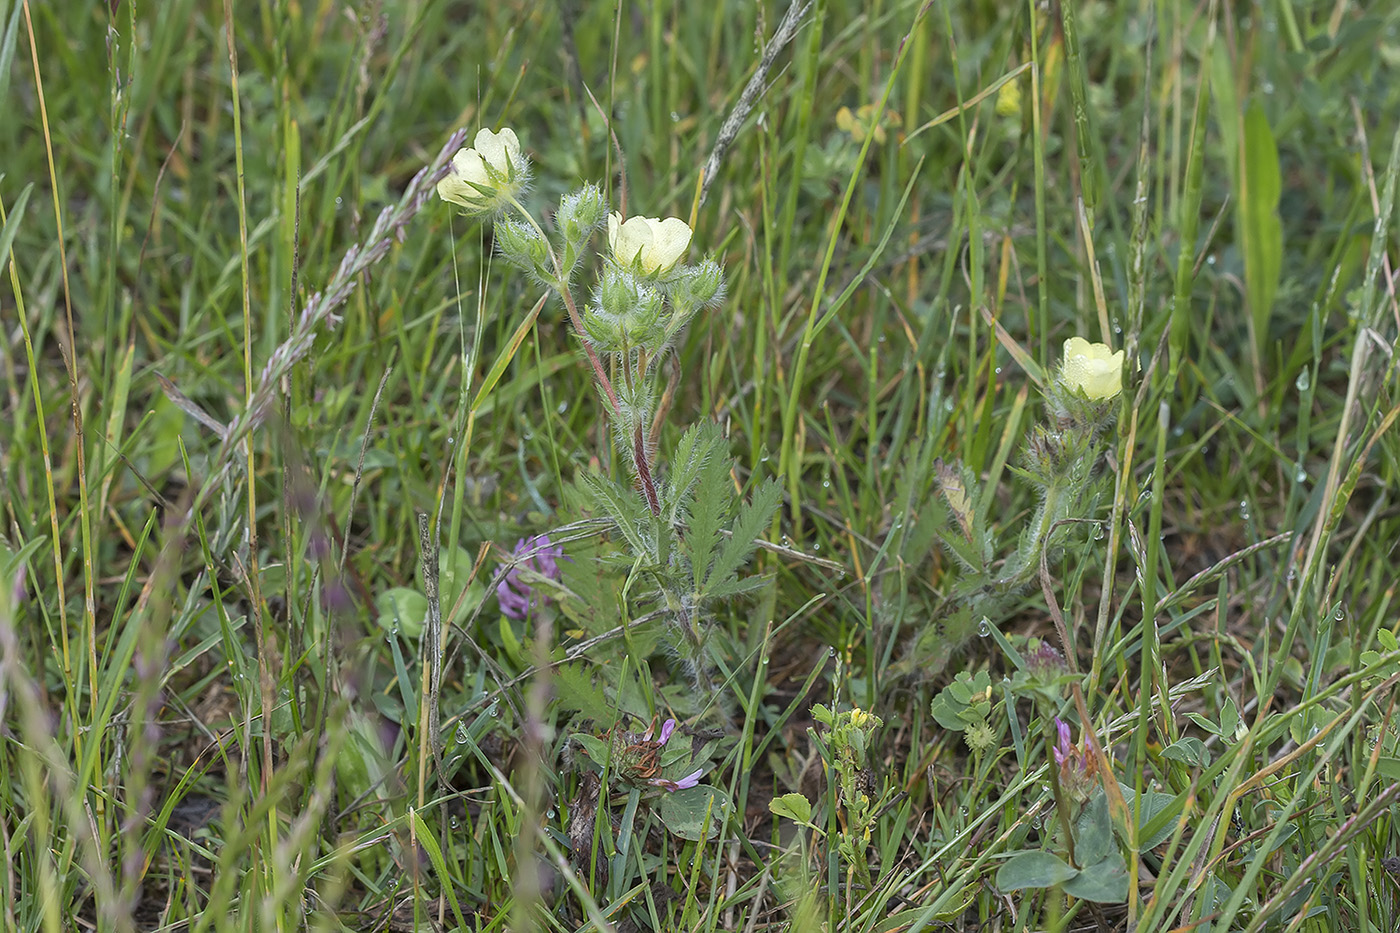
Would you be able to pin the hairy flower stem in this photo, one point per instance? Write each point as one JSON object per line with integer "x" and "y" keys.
{"x": 640, "y": 459}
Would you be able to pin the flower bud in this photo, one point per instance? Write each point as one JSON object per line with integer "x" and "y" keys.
{"x": 617, "y": 291}
{"x": 522, "y": 246}
{"x": 580, "y": 213}
{"x": 703, "y": 284}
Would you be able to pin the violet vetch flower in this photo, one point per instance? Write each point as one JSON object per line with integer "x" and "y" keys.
{"x": 537, "y": 554}
{"x": 667, "y": 728}
{"x": 690, "y": 780}
{"x": 1078, "y": 769}
{"x": 1063, "y": 749}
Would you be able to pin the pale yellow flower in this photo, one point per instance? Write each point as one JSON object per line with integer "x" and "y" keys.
{"x": 648, "y": 243}
{"x": 1009, "y": 99}
{"x": 486, "y": 176}
{"x": 1093, "y": 369}
{"x": 864, "y": 121}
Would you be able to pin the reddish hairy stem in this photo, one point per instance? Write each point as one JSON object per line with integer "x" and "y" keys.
{"x": 592, "y": 357}
{"x": 639, "y": 449}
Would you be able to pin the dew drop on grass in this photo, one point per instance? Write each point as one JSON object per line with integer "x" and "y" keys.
{"x": 831, "y": 651}
{"x": 550, "y": 814}
{"x": 1303, "y": 382}
{"x": 451, "y": 441}
{"x": 1339, "y": 615}
{"x": 461, "y": 733}
{"x": 495, "y": 709}
{"x": 1178, "y": 431}
{"x": 765, "y": 660}
{"x": 452, "y": 822}
{"x": 1244, "y": 510}
{"x": 563, "y": 407}
{"x": 984, "y": 628}
{"x": 1301, "y": 475}
{"x": 1098, "y": 532}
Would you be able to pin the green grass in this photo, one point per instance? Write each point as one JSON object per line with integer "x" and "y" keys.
{"x": 206, "y": 726}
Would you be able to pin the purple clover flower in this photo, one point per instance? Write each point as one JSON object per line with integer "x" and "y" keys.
{"x": 537, "y": 554}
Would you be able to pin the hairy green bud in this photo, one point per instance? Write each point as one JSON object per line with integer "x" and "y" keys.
{"x": 580, "y": 213}
{"x": 521, "y": 245}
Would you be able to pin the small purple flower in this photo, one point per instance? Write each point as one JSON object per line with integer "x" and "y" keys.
{"x": 535, "y": 554}
{"x": 690, "y": 780}
{"x": 1063, "y": 749}
{"x": 667, "y": 728}
{"x": 1045, "y": 663}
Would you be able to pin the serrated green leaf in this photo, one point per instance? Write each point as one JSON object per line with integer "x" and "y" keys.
{"x": 712, "y": 502}
{"x": 753, "y": 517}
{"x": 576, "y": 690}
{"x": 623, "y": 509}
{"x": 694, "y": 451}
{"x": 736, "y": 587}
{"x": 1035, "y": 869}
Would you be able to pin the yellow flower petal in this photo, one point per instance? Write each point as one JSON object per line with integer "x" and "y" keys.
{"x": 1093, "y": 369}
